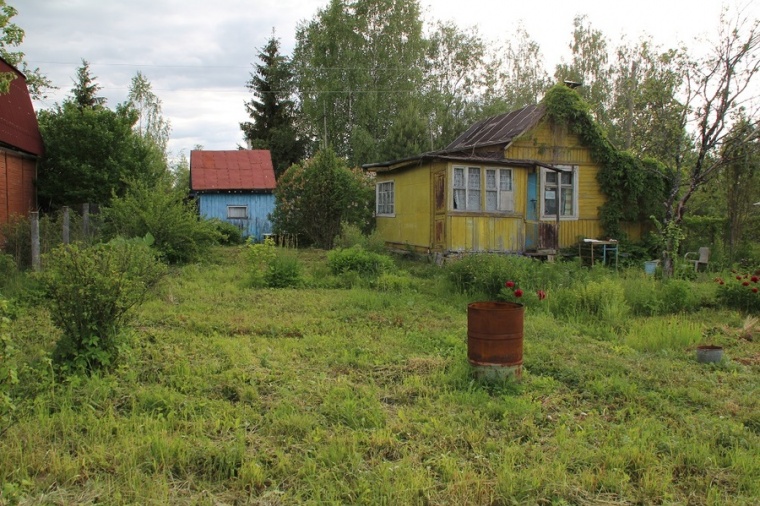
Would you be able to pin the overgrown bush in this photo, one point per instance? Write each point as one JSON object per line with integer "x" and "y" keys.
{"x": 486, "y": 274}
{"x": 229, "y": 234}
{"x": 8, "y": 376}
{"x": 740, "y": 290}
{"x": 602, "y": 300}
{"x": 91, "y": 291}
{"x": 315, "y": 197}
{"x": 358, "y": 260}
{"x": 272, "y": 268}
{"x": 352, "y": 235}
{"x": 179, "y": 234}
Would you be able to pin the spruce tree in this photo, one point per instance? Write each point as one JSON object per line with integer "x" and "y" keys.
{"x": 272, "y": 109}
{"x": 85, "y": 89}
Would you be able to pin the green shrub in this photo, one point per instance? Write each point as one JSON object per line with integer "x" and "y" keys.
{"x": 8, "y": 376}
{"x": 740, "y": 290}
{"x": 352, "y": 235}
{"x": 284, "y": 271}
{"x": 314, "y": 198}
{"x": 603, "y": 300}
{"x": 180, "y": 235}
{"x": 229, "y": 234}
{"x": 388, "y": 282}
{"x": 272, "y": 268}
{"x": 91, "y": 291}
{"x": 357, "y": 259}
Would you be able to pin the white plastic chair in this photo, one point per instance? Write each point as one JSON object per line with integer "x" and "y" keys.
{"x": 703, "y": 257}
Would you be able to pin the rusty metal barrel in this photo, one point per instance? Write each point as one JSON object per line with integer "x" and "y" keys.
{"x": 495, "y": 339}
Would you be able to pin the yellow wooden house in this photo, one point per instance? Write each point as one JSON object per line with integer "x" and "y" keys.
{"x": 515, "y": 183}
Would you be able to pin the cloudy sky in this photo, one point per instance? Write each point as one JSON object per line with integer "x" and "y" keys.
{"x": 198, "y": 54}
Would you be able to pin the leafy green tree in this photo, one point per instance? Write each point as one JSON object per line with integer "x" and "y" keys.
{"x": 590, "y": 66}
{"x": 150, "y": 122}
{"x": 356, "y": 63}
{"x": 158, "y": 210}
{"x": 85, "y": 90}
{"x": 315, "y": 197}
{"x": 90, "y": 153}
{"x": 741, "y": 181}
{"x": 11, "y": 36}
{"x": 517, "y": 76}
{"x": 273, "y": 110}
{"x": 455, "y": 60}
{"x": 646, "y": 108}
{"x": 714, "y": 91}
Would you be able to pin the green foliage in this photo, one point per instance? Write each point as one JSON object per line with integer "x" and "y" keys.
{"x": 658, "y": 334}
{"x": 284, "y": 271}
{"x": 91, "y": 291}
{"x": 634, "y": 188}
{"x": 179, "y": 234}
{"x": 740, "y": 290}
{"x": 273, "y": 110}
{"x": 601, "y": 300}
{"x": 91, "y": 153}
{"x": 352, "y": 235}
{"x": 357, "y": 259}
{"x": 229, "y": 234}
{"x": 272, "y": 267}
{"x": 8, "y": 368}
{"x": 314, "y": 198}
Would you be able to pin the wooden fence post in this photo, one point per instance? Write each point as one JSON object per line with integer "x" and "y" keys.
{"x": 66, "y": 224}
{"x": 35, "y": 224}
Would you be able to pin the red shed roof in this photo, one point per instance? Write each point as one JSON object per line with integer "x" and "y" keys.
{"x": 241, "y": 169}
{"x": 18, "y": 123}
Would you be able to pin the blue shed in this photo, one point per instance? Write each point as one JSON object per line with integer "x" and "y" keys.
{"x": 236, "y": 186}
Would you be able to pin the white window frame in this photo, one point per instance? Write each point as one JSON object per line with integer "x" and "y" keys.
{"x": 556, "y": 187}
{"x": 469, "y": 190}
{"x": 385, "y": 198}
{"x": 503, "y": 190}
{"x": 231, "y": 212}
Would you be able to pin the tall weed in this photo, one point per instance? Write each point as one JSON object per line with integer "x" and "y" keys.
{"x": 91, "y": 292}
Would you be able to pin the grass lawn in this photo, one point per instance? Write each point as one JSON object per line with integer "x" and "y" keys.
{"x": 234, "y": 395}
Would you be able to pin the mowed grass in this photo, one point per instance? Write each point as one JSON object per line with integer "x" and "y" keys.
{"x": 234, "y": 395}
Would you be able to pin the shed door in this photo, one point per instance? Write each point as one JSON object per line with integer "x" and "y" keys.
{"x": 531, "y": 213}
{"x": 439, "y": 212}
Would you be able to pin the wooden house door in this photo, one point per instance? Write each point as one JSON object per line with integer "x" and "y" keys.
{"x": 531, "y": 213}
{"x": 439, "y": 211}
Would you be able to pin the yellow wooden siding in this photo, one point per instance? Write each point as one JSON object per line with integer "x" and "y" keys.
{"x": 412, "y": 221}
{"x": 471, "y": 232}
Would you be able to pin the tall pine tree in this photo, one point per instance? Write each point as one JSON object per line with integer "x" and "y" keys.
{"x": 273, "y": 110}
{"x": 85, "y": 89}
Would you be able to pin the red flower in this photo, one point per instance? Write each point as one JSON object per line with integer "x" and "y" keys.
{"x": 755, "y": 279}
{"x": 746, "y": 283}
{"x": 754, "y": 290}
{"x": 722, "y": 282}
{"x": 541, "y": 294}
{"x": 509, "y": 284}
{"x": 738, "y": 277}
{"x": 518, "y": 293}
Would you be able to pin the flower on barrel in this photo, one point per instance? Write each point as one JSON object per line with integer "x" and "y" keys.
{"x": 511, "y": 292}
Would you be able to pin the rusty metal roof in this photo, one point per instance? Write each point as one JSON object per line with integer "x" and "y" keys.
{"x": 497, "y": 130}
{"x": 240, "y": 169}
{"x": 18, "y": 122}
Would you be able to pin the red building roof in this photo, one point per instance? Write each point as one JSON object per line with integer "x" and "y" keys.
{"x": 18, "y": 123}
{"x": 241, "y": 169}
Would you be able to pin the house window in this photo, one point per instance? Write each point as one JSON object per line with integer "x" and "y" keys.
{"x": 467, "y": 188}
{"x": 499, "y": 195}
{"x": 385, "y": 198}
{"x": 237, "y": 212}
{"x": 560, "y": 188}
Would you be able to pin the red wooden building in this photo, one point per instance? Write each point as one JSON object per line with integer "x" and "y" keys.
{"x": 20, "y": 147}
